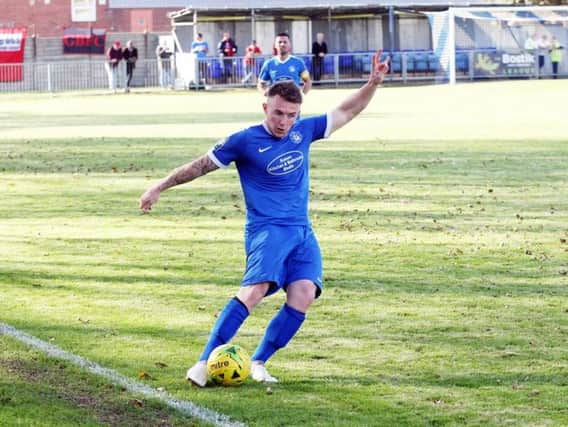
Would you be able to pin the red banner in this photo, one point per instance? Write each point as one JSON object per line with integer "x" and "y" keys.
{"x": 84, "y": 41}
{"x": 12, "y": 43}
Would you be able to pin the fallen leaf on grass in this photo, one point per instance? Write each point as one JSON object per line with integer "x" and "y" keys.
{"x": 455, "y": 252}
{"x": 137, "y": 403}
{"x": 144, "y": 375}
{"x": 161, "y": 365}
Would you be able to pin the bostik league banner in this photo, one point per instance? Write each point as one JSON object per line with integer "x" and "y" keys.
{"x": 12, "y": 43}
{"x": 84, "y": 41}
{"x": 501, "y": 63}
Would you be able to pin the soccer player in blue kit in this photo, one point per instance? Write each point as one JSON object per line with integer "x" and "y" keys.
{"x": 272, "y": 159}
{"x": 284, "y": 66}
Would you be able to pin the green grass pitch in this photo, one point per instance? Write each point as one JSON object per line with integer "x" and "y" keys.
{"x": 442, "y": 213}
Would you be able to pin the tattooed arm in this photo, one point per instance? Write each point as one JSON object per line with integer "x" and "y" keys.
{"x": 181, "y": 175}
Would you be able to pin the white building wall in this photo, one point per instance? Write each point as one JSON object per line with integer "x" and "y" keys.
{"x": 375, "y": 34}
{"x": 265, "y": 31}
{"x": 414, "y": 33}
{"x": 300, "y": 42}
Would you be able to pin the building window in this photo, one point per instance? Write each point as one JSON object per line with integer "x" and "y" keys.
{"x": 83, "y": 10}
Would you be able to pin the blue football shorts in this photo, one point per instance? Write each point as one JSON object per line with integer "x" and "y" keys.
{"x": 282, "y": 254}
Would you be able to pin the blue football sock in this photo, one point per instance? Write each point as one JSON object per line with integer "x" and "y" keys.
{"x": 279, "y": 332}
{"x": 226, "y": 326}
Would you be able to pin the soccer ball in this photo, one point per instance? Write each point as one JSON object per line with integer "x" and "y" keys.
{"x": 228, "y": 365}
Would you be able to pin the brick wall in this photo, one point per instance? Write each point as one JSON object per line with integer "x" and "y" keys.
{"x": 48, "y": 18}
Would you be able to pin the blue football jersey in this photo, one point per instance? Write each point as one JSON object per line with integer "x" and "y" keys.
{"x": 274, "y": 70}
{"x": 274, "y": 172}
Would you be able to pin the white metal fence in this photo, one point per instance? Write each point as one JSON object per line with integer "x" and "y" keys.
{"x": 336, "y": 69}
{"x": 67, "y": 76}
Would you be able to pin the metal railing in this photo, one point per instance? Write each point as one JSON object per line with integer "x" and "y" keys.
{"x": 342, "y": 68}
{"x": 186, "y": 72}
{"x": 335, "y": 69}
{"x": 76, "y": 75}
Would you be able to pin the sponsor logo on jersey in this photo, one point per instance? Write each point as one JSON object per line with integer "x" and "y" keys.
{"x": 286, "y": 163}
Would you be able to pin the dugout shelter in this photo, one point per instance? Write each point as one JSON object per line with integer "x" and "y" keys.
{"x": 422, "y": 36}
{"x": 349, "y": 25}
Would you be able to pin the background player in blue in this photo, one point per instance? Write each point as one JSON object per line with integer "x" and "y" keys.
{"x": 282, "y": 251}
{"x": 284, "y": 66}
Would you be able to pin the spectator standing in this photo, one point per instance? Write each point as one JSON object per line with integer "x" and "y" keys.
{"x": 542, "y": 48}
{"x": 200, "y": 48}
{"x": 284, "y": 66}
{"x": 113, "y": 56}
{"x": 163, "y": 55}
{"x": 555, "y": 56}
{"x": 319, "y": 50}
{"x": 227, "y": 48}
{"x": 130, "y": 56}
{"x": 252, "y": 52}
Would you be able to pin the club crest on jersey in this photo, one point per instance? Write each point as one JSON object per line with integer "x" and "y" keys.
{"x": 292, "y": 69}
{"x": 295, "y": 137}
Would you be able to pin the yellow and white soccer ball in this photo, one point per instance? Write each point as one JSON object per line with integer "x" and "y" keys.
{"x": 228, "y": 365}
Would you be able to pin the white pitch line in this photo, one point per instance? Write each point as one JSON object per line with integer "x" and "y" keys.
{"x": 184, "y": 406}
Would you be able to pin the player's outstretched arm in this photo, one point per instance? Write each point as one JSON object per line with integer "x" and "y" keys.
{"x": 355, "y": 103}
{"x": 186, "y": 173}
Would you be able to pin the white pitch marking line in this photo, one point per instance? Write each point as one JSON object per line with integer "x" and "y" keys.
{"x": 184, "y": 406}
